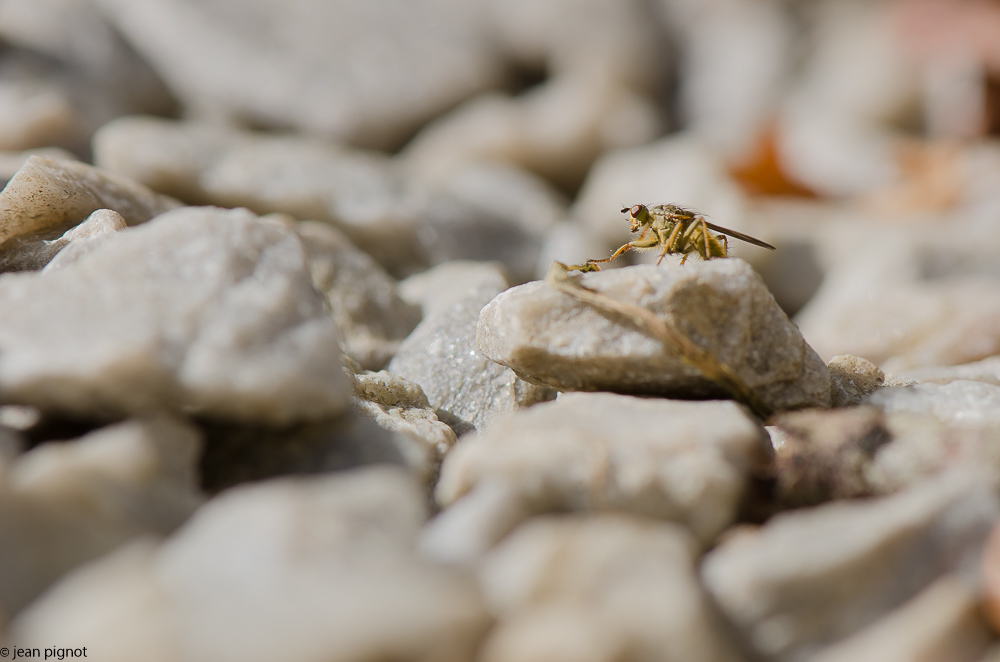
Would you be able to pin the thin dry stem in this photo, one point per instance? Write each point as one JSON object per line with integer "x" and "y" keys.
{"x": 652, "y": 325}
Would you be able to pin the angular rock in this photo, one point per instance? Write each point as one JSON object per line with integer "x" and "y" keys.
{"x": 958, "y": 402}
{"x": 886, "y": 308}
{"x": 941, "y": 623}
{"x": 35, "y": 112}
{"x": 548, "y": 337}
{"x": 204, "y": 309}
{"x": 442, "y": 286}
{"x": 370, "y": 316}
{"x": 67, "y": 503}
{"x": 689, "y": 462}
{"x": 811, "y": 577}
{"x": 72, "y": 53}
{"x": 50, "y": 194}
{"x": 318, "y": 68}
{"x": 400, "y": 406}
{"x": 32, "y": 253}
{"x": 86, "y": 237}
{"x": 311, "y": 569}
{"x": 11, "y": 162}
{"x": 824, "y": 455}
{"x": 467, "y": 390}
{"x": 986, "y": 370}
{"x": 406, "y": 226}
{"x": 556, "y": 130}
{"x": 922, "y": 446}
{"x": 852, "y": 378}
{"x": 599, "y": 588}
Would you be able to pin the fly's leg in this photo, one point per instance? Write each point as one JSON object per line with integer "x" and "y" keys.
{"x": 638, "y": 243}
{"x": 668, "y": 243}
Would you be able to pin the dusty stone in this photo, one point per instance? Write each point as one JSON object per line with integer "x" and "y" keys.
{"x": 33, "y": 253}
{"x": 599, "y": 587}
{"x": 405, "y": 225}
{"x": 323, "y": 571}
{"x": 86, "y": 237}
{"x": 960, "y": 402}
{"x": 823, "y": 455}
{"x": 467, "y": 390}
{"x": 400, "y": 406}
{"x": 987, "y": 370}
{"x": 35, "y": 112}
{"x": 886, "y": 308}
{"x": 549, "y": 338}
{"x": 557, "y": 129}
{"x": 941, "y": 623}
{"x": 318, "y": 68}
{"x": 442, "y": 286}
{"x": 599, "y": 452}
{"x": 214, "y": 312}
{"x": 811, "y": 577}
{"x": 50, "y": 194}
{"x": 852, "y": 378}
{"x": 371, "y": 318}
{"x": 923, "y": 445}
{"x": 604, "y": 63}
{"x": 88, "y": 70}
{"x": 67, "y": 503}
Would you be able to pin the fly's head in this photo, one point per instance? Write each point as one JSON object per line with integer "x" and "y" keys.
{"x": 638, "y": 216}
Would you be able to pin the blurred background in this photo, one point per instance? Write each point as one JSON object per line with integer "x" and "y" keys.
{"x": 831, "y": 128}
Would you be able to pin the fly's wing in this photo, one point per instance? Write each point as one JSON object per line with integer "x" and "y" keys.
{"x": 739, "y": 235}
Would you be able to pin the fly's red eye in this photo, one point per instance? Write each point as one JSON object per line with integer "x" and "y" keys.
{"x": 635, "y": 210}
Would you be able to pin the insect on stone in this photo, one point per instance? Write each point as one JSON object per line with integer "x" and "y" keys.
{"x": 675, "y": 231}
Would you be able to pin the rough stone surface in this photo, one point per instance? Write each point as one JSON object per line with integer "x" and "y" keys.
{"x": 32, "y": 253}
{"x": 400, "y": 406}
{"x": 852, "y": 378}
{"x": 599, "y": 588}
{"x": 604, "y": 63}
{"x": 66, "y": 503}
{"x": 210, "y": 310}
{"x": 688, "y": 462}
{"x": 890, "y": 310}
{"x": 549, "y": 338}
{"x": 86, "y": 237}
{"x": 76, "y": 73}
{"x": 316, "y": 569}
{"x": 365, "y": 72}
{"x": 923, "y": 445}
{"x": 442, "y": 286}
{"x": 404, "y": 224}
{"x": 822, "y": 455}
{"x": 51, "y": 194}
{"x": 987, "y": 370}
{"x": 370, "y": 316}
{"x": 466, "y": 389}
{"x": 960, "y": 402}
{"x": 941, "y": 623}
{"x": 811, "y": 577}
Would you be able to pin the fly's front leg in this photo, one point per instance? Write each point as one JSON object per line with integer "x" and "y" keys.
{"x": 638, "y": 243}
